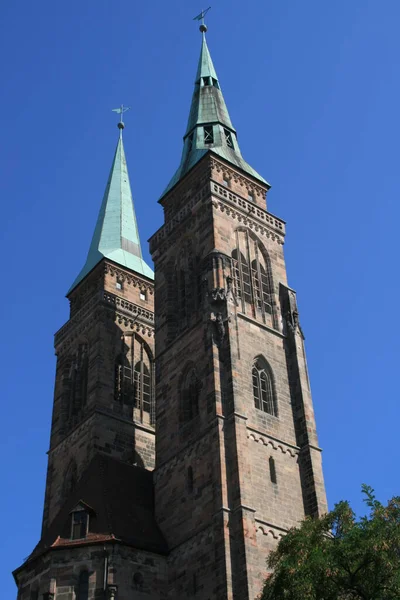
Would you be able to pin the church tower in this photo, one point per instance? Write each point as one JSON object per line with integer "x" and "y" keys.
{"x": 237, "y": 456}
{"x": 98, "y": 515}
{"x": 183, "y": 441}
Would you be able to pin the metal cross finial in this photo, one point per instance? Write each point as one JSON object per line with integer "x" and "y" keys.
{"x": 121, "y": 110}
{"x": 200, "y": 17}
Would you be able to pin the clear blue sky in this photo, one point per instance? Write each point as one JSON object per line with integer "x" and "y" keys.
{"x": 313, "y": 89}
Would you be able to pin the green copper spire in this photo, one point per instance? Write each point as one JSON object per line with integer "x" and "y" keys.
{"x": 209, "y": 125}
{"x": 116, "y": 234}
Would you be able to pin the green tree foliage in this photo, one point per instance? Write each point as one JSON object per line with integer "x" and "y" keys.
{"x": 339, "y": 557}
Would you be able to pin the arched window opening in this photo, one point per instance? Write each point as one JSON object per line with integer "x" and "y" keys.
{"x": 263, "y": 388}
{"x": 272, "y": 470}
{"x": 190, "y": 481}
{"x": 142, "y": 387}
{"x": 83, "y": 586}
{"x": 134, "y": 378}
{"x": 190, "y": 393}
{"x": 251, "y": 272}
{"x": 123, "y": 380}
{"x": 262, "y": 287}
{"x": 241, "y": 276}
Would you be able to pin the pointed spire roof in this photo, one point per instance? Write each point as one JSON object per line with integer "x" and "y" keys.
{"x": 209, "y": 125}
{"x": 116, "y": 235}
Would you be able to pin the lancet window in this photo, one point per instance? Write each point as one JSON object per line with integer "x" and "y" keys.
{"x": 78, "y": 380}
{"x": 252, "y": 277}
{"x": 134, "y": 378}
{"x": 263, "y": 387}
{"x": 184, "y": 290}
{"x": 190, "y": 393}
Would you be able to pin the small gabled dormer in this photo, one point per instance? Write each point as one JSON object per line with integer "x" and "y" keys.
{"x": 79, "y": 521}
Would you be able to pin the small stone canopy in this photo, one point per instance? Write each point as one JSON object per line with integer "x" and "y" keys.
{"x": 120, "y": 501}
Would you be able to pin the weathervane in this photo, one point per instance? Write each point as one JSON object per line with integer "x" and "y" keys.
{"x": 200, "y": 17}
{"x": 121, "y": 110}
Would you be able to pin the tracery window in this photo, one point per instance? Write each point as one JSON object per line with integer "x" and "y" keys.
{"x": 251, "y": 271}
{"x": 190, "y": 392}
{"x": 142, "y": 386}
{"x": 263, "y": 387}
{"x": 134, "y": 369}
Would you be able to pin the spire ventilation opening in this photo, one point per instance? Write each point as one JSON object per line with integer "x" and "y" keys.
{"x": 208, "y": 135}
{"x": 209, "y": 81}
{"x": 228, "y": 138}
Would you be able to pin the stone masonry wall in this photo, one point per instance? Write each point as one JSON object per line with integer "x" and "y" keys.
{"x": 132, "y": 573}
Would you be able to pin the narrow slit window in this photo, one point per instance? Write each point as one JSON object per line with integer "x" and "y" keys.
{"x": 190, "y": 142}
{"x": 272, "y": 470}
{"x": 190, "y": 480}
{"x": 207, "y": 80}
{"x": 208, "y": 135}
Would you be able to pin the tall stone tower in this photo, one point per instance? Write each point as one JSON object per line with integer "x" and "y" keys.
{"x": 99, "y": 490}
{"x": 237, "y": 456}
{"x": 174, "y": 470}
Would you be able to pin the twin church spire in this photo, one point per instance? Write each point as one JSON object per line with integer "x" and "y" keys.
{"x": 116, "y": 235}
{"x": 209, "y": 129}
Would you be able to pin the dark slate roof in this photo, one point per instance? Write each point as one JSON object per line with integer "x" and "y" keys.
{"x": 121, "y": 501}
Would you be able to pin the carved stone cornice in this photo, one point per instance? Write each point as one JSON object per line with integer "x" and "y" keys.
{"x": 129, "y": 278}
{"x": 128, "y": 308}
{"x": 246, "y": 182}
{"x": 133, "y": 324}
{"x": 248, "y": 213}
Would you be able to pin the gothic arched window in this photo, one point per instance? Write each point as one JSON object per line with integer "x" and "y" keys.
{"x": 263, "y": 387}
{"x": 83, "y": 586}
{"x": 190, "y": 392}
{"x": 70, "y": 479}
{"x": 134, "y": 378}
{"x": 251, "y": 271}
{"x": 142, "y": 387}
{"x": 123, "y": 380}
